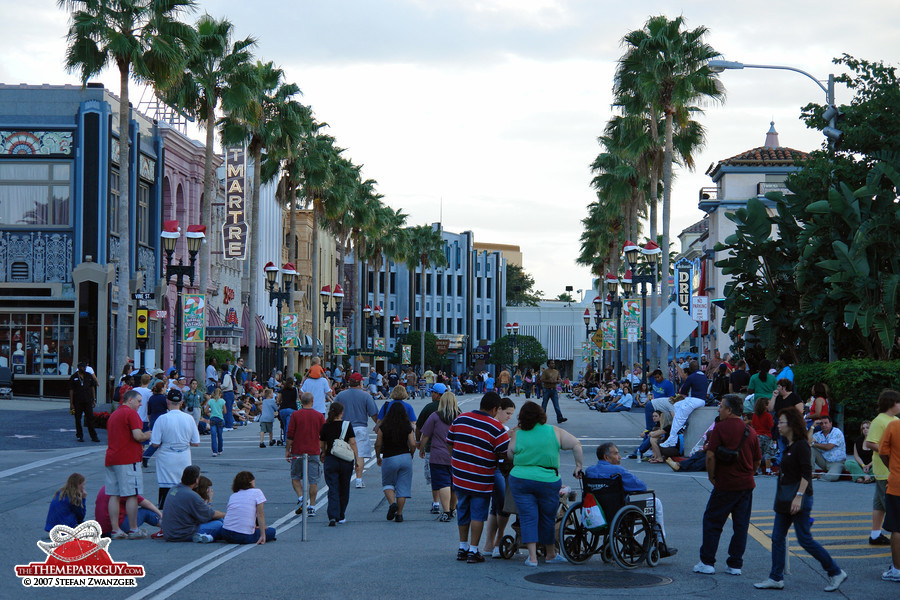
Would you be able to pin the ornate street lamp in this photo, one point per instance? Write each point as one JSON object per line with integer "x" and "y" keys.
{"x": 280, "y": 295}
{"x": 169, "y": 237}
{"x": 336, "y": 297}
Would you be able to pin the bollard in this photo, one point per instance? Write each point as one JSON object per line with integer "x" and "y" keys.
{"x": 305, "y": 506}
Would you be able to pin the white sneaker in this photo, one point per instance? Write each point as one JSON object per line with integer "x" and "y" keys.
{"x": 360, "y": 484}
{"x": 835, "y": 582}
{"x": 496, "y": 553}
{"x": 732, "y": 571}
{"x": 702, "y": 567}
{"x": 769, "y": 584}
{"x": 892, "y": 574}
{"x": 202, "y": 538}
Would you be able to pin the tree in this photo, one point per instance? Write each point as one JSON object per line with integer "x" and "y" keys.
{"x": 144, "y": 39}
{"x": 426, "y": 249}
{"x": 520, "y": 287}
{"x": 531, "y": 353}
{"x": 420, "y": 344}
{"x": 565, "y": 297}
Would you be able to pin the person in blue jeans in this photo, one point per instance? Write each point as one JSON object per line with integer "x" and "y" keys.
{"x": 796, "y": 469}
{"x": 227, "y": 387}
{"x": 549, "y": 380}
{"x": 216, "y": 406}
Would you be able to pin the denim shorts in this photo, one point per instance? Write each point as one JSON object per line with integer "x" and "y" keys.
{"x": 471, "y": 507}
{"x": 441, "y": 476}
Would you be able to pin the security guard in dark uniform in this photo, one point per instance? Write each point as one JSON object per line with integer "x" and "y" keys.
{"x": 81, "y": 401}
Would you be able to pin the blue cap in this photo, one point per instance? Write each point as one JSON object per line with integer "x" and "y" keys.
{"x": 439, "y": 388}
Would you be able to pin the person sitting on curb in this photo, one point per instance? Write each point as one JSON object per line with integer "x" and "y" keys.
{"x": 187, "y": 516}
{"x": 829, "y": 451}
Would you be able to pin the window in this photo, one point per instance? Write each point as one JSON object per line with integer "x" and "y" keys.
{"x": 35, "y": 193}
{"x": 381, "y": 280}
{"x": 439, "y": 326}
{"x": 477, "y": 266}
{"x": 449, "y": 285}
{"x": 418, "y": 283}
{"x": 459, "y": 286}
{"x": 449, "y": 325}
{"x": 488, "y": 331}
{"x": 459, "y": 327}
{"x": 440, "y": 284}
{"x": 393, "y": 283}
{"x": 428, "y": 306}
{"x": 370, "y": 278}
{"x": 487, "y": 268}
{"x": 417, "y": 306}
{"x": 478, "y": 309}
{"x": 478, "y": 329}
{"x": 448, "y": 307}
{"x": 458, "y": 264}
{"x": 428, "y": 283}
{"x": 488, "y": 287}
{"x": 143, "y": 214}
{"x": 392, "y": 306}
{"x": 478, "y": 288}
{"x": 113, "y": 202}
{"x": 38, "y": 344}
{"x": 418, "y": 326}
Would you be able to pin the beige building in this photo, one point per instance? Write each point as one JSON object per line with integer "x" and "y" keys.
{"x": 512, "y": 254}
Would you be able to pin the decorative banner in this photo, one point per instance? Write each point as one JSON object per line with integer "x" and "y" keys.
{"x": 633, "y": 334}
{"x": 515, "y": 356}
{"x": 290, "y": 330}
{"x": 234, "y": 230}
{"x": 379, "y": 344}
{"x": 407, "y": 355}
{"x": 193, "y": 320}
{"x": 631, "y": 319}
{"x": 608, "y": 327}
{"x": 683, "y": 278}
{"x": 340, "y": 341}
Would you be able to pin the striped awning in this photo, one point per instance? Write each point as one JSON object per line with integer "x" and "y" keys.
{"x": 262, "y": 334}
{"x": 557, "y": 340}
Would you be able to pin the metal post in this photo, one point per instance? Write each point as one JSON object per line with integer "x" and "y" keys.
{"x": 618, "y": 337}
{"x": 179, "y": 286}
{"x": 644, "y": 367}
{"x": 305, "y": 505}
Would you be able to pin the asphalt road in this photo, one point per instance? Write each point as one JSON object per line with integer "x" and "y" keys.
{"x": 370, "y": 557}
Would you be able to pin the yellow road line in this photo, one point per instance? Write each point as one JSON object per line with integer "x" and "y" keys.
{"x": 858, "y": 556}
{"x": 822, "y": 521}
{"x": 831, "y": 537}
{"x": 757, "y": 534}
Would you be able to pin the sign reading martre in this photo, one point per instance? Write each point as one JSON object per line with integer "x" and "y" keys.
{"x": 234, "y": 231}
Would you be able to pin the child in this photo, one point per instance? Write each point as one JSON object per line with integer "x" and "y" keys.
{"x": 68, "y": 505}
{"x": 762, "y": 423}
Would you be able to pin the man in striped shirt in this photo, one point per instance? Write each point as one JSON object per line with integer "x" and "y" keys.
{"x": 477, "y": 440}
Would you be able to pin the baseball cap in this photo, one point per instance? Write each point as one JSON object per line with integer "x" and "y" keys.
{"x": 356, "y": 377}
{"x": 439, "y": 388}
{"x": 174, "y": 396}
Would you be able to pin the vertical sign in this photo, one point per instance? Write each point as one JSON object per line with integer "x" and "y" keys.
{"x": 234, "y": 230}
{"x": 379, "y": 344}
{"x": 193, "y": 326}
{"x": 700, "y": 308}
{"x": 608, "y": 326}
{"x": 407, "y": 355}
{"x": 631, "y": 319}
{"x": 515, "y": 356}
{"x": 290, "y": 330}
{"x": 683, "y": 283}
{"x": 340, "y": 341}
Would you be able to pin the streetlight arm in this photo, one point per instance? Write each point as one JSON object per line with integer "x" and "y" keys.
{"x": 717, "y": 66}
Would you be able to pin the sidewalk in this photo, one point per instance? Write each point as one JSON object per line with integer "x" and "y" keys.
{"x": 36, "y": 404}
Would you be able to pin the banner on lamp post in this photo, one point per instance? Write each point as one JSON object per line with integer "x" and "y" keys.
{"x": 407, "y": 355}
{"x": 290, "y": 330}
{"x": 608, "y": 327}
{"x": 515, "y": 353}
{"x": 379, "y": 344}
{"x": 631, "y": 319}
{"x": 340, "y": 341}
{"x": 193, "y": 323}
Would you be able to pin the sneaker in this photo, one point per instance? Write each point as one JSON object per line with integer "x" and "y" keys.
{"x": 835, "y": 581}
{"x": 228, "y": 429}
{"x": 392, "y": 511}
{"x": 702, "y": 567}
{"x": 299, "y": 510}
{"x": 435, "y": 508}
{"x": 280, "y": 443}
{"x": 528, "y": 563}
{"x": 342, "y": 522}
{"x": 462, "y": 554}
{"x": 157, "y": 536}
{"x": 563, "y": 420}
{"x": 360, "y": 484}
{"x": 452, "y": 513}
{"x": 79, "y": 439}
{"x": 732, "y": 571}
{"x": 332, "y": 523}
{"x": 119, "y": 535}
{"x": 311, "y": 511}
{"x": 496, "y": 553}
{"x": 271, "y": 442}
{"x": 137, "y": 534}
{"x": 632, "y": 456}
{"x": 769, "y": 584}
{"x": 892, "y": 574}
{"x": 559, "y": 558}
{"x": 474, "y": 557}
{"x": 881, "y": 540}
{"x": 262, "y": 445}
{"x": 445, "y": 518}
{"x": 202, "y": 538}
{"x": 398, "y": 518}
{"x": 667, "y": 551}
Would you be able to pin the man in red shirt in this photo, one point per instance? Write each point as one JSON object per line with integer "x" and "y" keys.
{"x": 733, "y": 486}
{"x": 303, "y": 438}
{"x": 124, "y": 479}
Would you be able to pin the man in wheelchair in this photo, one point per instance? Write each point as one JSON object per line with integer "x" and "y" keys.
{"x": 609, "y": 465}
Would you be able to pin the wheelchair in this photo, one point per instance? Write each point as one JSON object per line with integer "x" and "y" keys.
{"x": 631, "y": 535}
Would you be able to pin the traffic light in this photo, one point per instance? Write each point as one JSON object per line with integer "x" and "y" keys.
{"x": 142, "y": 323}
{"x": 834, "y": 116}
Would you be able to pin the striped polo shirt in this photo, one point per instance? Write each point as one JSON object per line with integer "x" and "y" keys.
{"x": 477, "y": 439}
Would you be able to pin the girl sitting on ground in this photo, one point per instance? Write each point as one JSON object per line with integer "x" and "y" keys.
{"x": 68, "y": 506}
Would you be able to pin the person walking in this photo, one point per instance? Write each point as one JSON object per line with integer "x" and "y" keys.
{"x": 793, "y": 504}
{"x": 359, "y": 407}
{"x": 303, "y": 438}
{"x": 227, "y": 385}
{"x": 216, "y": 407}
{"x": 437, "y": 392}
{"x": 174, "y": 433}
{"x": 732, "y": 458}
{"x": 338, "y": 471}
{"x": 433, "y": 448}
{"x": 549, "y": 381}
{"x": 81, "y": 402}
{"x": 267, "y": 417}
{"x": 394, "y": 446}
{"x": 287, "y": 404}
{"x": 889, "y": 452}
{"x": 888, "y": 409}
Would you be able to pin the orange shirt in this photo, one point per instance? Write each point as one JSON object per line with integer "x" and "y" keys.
{"x": 890, "y": 446}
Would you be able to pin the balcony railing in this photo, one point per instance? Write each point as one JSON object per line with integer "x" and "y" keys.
{"x": 709, "y": 194}
{"x": 764, "y": 187}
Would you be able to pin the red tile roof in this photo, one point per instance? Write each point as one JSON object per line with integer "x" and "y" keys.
{"x": 766, "y": 157}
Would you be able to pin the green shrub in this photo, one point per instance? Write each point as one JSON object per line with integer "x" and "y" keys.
{"x": 219, "y": 355}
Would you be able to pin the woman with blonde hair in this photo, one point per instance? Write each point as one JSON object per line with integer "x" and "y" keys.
{"x": 68, "y": 505}
{"x": 435, "y": 430}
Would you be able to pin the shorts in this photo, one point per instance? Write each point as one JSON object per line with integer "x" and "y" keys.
{"x": 441, "y": 476}
{"x": 265, "y": 426}
{"x": 878, "y": 502}
{"x": 427, "y": 469}
{"x": 124, "y": 480}
{"x": 364, "y": 448}
{"x": 892, "y": 514}
{"x": 669, "y": 451}
{"x": 396, "y": 474}
{"x": 315, "y": 469}
{"x": 471, "y": 507}
{"x": 766, "y": 447}
{"x": 498, "y": 496}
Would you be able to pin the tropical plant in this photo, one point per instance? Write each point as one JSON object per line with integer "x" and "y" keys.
{"x": 426, "y": 249}
{"x": 520, "y": 287}
{"x": 146, "y": 41}
{"x": 531, "y": 353}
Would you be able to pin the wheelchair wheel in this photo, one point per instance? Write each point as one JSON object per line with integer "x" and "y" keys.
{"x": 653, "y": 556}
{"x": 630, "y": 537}
{"x": 606, "y": 552}
{"x": 576, "y": 542}
{"x": 508, "y": 547}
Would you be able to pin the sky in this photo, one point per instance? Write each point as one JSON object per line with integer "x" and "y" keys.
{"x": 484, "y": 114}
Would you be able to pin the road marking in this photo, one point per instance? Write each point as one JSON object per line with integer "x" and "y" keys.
{"x": 49, "y": 461}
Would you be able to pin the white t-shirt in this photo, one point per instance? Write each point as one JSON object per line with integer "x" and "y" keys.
{"x": 240, "y": 514}
{"x": 211, "y": 374}
{"x": 318, "y": 388}
{"x": 145, "y": 397}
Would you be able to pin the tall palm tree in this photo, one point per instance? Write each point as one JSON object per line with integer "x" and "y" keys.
{"x": 146, "y": 41}
{"x": 426, "y": 249}
{"x": 214, "y": 68}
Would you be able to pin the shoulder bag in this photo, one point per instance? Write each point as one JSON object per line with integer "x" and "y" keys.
{"x": 727, "y": 456}
{"x": 340, "y": 448}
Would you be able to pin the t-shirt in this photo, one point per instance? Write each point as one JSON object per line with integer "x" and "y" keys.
{"x": 762, "y": 424}
{"x": 216, "y": 407}
{"x": 695, "y": 385}
{"x": 240, "y": 513}
{"x": 429, "y": 376}
{"x": 665, "y": 389}
{"x": 786, "y": 373}
{"x": 289, "y": 398}
{"x": 489, "y": 384}
{"x": 387, "y": 406}
{"x": 537, "y": 454}
{"x": 156, "y": 407}
{"x": 122, "y": 449}
{"x": 269, "y": 406}
{"x": 739, "y": 475}
{"x": 788, "y": 401}
{"x": 477, "y": 440}
{"x": 303, "y": 429}
{"x": 318, "y": 388}
{"x": 145, "y": 397}
{"x": 890, "y": 446}
{"x": 437, "y": 431}
{"x": 423, "y": 416}
{"x": 836, "y": 437}
{"x": 762, "y": 388}
{"x": 185, "y": 510}
{"x": 395, "y": 442}
{"x": 876, "y": 431}
{"x": 82, "y": 388}
{"x": 393, "y": 380}
{"x": 358, "y": 406}
{"x": 101, "y": 510}
{"x": 211, "y": 374}
{"x": 332, "y": 430}
{"x": 739, "y": 380}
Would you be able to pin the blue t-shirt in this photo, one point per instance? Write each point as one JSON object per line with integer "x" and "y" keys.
{"x": 387, "y": 405}
{"x": 663, "y": 390}
{"x": 605, "y": 470}
{"x": 786, "y": 373}
{"x": 489, "y": 383}
{"x": 696, "y": 385}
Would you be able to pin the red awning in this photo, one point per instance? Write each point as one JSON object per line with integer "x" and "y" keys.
{"x": 214, "y": 319}
{"x": 262, "y": 334}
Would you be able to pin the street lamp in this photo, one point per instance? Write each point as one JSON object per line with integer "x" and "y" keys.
{"x": 400, "y": 329}
{"x": 832, "y": 113}
{"x": 280, "y": 295}
{"x": 169, "y": 236}
{"x": 513, "y": 332}
{"x": 614, "y": 305}
{"x": 643, "y": 278}
{"x": 598, "y": 319}
{"x": 335, "y": 296}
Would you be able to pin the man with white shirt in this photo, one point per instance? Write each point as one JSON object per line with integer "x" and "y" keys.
{"x": 317, "y": 385}
{"x": 829, "y": 451}
{"x": 174, "y": 433}
{"x": 144, "y": 391}
{"x": 212, "y": 375}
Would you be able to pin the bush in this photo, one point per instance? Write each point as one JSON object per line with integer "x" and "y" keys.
{"x": 220, "y": 356}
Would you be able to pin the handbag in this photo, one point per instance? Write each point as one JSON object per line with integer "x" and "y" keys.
{"x": 340, "y": 448}
{"x": 784, "y": 496}
{"x": 591, "y": 514}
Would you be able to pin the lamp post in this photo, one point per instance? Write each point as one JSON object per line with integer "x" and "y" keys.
{"x": 598, "y": 318}
{"x": 170, "y": 234}
{"x": 280, "y": 295}
{"x": 513, "y": 332}
{"x": 400, "y": 329}
{"x": 643, "y": 278}
{"x": 614, "y": 304}
{"x": 335, "y": 297}
{"x": 832, "y": 114}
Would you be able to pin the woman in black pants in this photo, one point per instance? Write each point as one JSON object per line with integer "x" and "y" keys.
{"x": 337, "y": 471}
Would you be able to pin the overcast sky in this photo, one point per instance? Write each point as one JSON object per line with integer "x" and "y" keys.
{"x": 491, "y": 108}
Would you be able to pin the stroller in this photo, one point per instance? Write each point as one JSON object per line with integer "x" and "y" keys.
{"x": 6, "y": 383}
{"x": 510, "y": 545}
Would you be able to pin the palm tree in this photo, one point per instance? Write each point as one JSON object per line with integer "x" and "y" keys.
{"x": 426, "y": 249}
{"x": 145, "y": 41}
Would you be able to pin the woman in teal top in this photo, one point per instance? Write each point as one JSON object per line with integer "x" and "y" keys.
{"x": 534, "y": 480}
{"x": 762, "y": 384}
{"x": 193, "y": 400}
{"x": 216, "y": 406}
